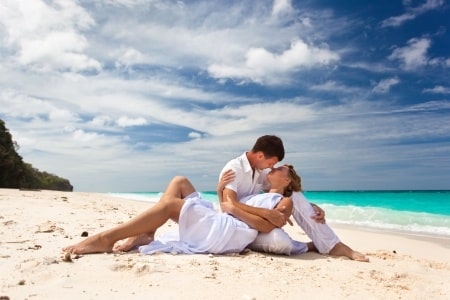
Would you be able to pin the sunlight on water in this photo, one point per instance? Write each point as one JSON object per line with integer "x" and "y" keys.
{"x": 388, "y": 219}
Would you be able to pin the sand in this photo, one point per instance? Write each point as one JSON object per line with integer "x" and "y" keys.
{"x": 35, "y": 225}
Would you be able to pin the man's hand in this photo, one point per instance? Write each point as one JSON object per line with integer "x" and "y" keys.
{"x": 276, "y": 217}
{"x": 227, "y": 177}
{"x": 320, "y": 214}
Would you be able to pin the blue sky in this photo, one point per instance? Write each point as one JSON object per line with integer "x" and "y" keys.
{"x": 120, "y": 96}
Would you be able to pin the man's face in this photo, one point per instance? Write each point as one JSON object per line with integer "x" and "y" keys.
{"x": 265, "y": 163}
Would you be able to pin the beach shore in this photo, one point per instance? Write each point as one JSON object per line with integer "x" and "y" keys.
{"x": 35, "y": 225}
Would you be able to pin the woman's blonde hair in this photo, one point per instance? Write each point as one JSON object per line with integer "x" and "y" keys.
{"x": 296, "y": 181}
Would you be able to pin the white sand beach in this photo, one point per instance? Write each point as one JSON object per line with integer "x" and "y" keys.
{"x": 35, "y": 225}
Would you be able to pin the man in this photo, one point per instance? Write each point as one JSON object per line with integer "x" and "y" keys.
{"x": 250, "y": 170}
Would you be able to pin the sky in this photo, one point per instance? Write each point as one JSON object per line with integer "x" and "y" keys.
{"x": 120, "y": 96}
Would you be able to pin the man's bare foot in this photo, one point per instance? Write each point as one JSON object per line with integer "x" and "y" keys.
{"x": 341, "y": 249}
{"x": 311, "y": 247}
{"x": 93, "y": 244}
{"x": 132, "y": 242}
{"x": 358, "y": 256}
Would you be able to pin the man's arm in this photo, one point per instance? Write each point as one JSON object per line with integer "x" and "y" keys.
{"x": 285, "y": 207}
{"x": 255, "y": 222}
{"x": 274, "y": 216}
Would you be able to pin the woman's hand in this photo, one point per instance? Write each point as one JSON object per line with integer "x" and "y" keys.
{"x": 227, "y": 177}
{"x": 227, "y": 206}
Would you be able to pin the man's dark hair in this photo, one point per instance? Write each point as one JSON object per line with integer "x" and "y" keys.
{"x": 270, "y": 145}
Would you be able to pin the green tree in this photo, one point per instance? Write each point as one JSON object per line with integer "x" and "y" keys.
{"x": 15, "y": 173}
{"x": 11, "y": 164}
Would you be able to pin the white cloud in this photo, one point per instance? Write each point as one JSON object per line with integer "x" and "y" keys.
{"x": 371, "y": 67}
{"x": 306, "y": 21}
{"x": 261, "y": 65}
{"x": 17, "y": 104}
{"x": 125, "y": 121}
{"x": 126, "y": 3}
{"x": 430, "y": 106}
{"x": 385, "y": 85}
{"x": 398, "y": 20}
{"x": 335, "y": 87}
{"x": 412, "y": 13}
{"x": 57, "y": 51}
{"x": 281, "y": 6}
{"x": 48, "y": 35}
{"x": 414, "y": 55}
{"x": 195, "y": 135}
{"x": 80, "y": 135}
{"x": 62, "y": 115}
{"x": 130, "y": 56}
{"x": 439, "y": 89}
{"x": 190, "y": 35}
{"x": 101, "y": 121}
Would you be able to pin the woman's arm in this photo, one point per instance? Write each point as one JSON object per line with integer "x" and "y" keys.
{"x": 286, "y": 205}
{"x": 254, "y": 221}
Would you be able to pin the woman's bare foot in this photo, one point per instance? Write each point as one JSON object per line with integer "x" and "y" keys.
{"x": 94, "y": 244}
{"x": 132, "y": 242}
{"x": 341, "y": 249}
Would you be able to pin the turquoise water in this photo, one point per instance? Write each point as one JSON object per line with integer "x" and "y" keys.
{"x": 416, "y": 212}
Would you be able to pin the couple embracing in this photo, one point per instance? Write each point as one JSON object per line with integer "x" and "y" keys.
{"x": 256, "y": 200}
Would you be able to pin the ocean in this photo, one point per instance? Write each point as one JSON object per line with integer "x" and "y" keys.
{"x": 424, "y": 213}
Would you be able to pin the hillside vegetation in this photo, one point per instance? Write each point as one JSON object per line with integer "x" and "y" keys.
{"x": 15, "y": 173}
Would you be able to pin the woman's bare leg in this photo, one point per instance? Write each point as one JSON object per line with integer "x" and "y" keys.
{"x": 178, "y": 187}
{"x": 341, "y": 249}
{"x": 140, "y": 229}
{"x": 148, "y": 221}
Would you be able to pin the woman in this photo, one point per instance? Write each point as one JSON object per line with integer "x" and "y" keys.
{"x": 201, "y": 228}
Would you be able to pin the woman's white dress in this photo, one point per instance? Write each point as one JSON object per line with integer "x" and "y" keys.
{"x": 202, "y": 229}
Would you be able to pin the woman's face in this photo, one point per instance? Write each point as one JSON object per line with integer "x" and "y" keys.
{"x": 278, "y": 176}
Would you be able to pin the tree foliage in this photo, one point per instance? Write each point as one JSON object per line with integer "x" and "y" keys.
{"x": 15, "y": 173}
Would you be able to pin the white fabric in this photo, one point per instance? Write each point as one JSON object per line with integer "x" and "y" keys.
{"x": 265, "y": 200}
{"x": 204, "y": 230}
{"x": 279, "y": 242}
{"x": 321, "y": 235}
{"x": 245, "y": 182}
